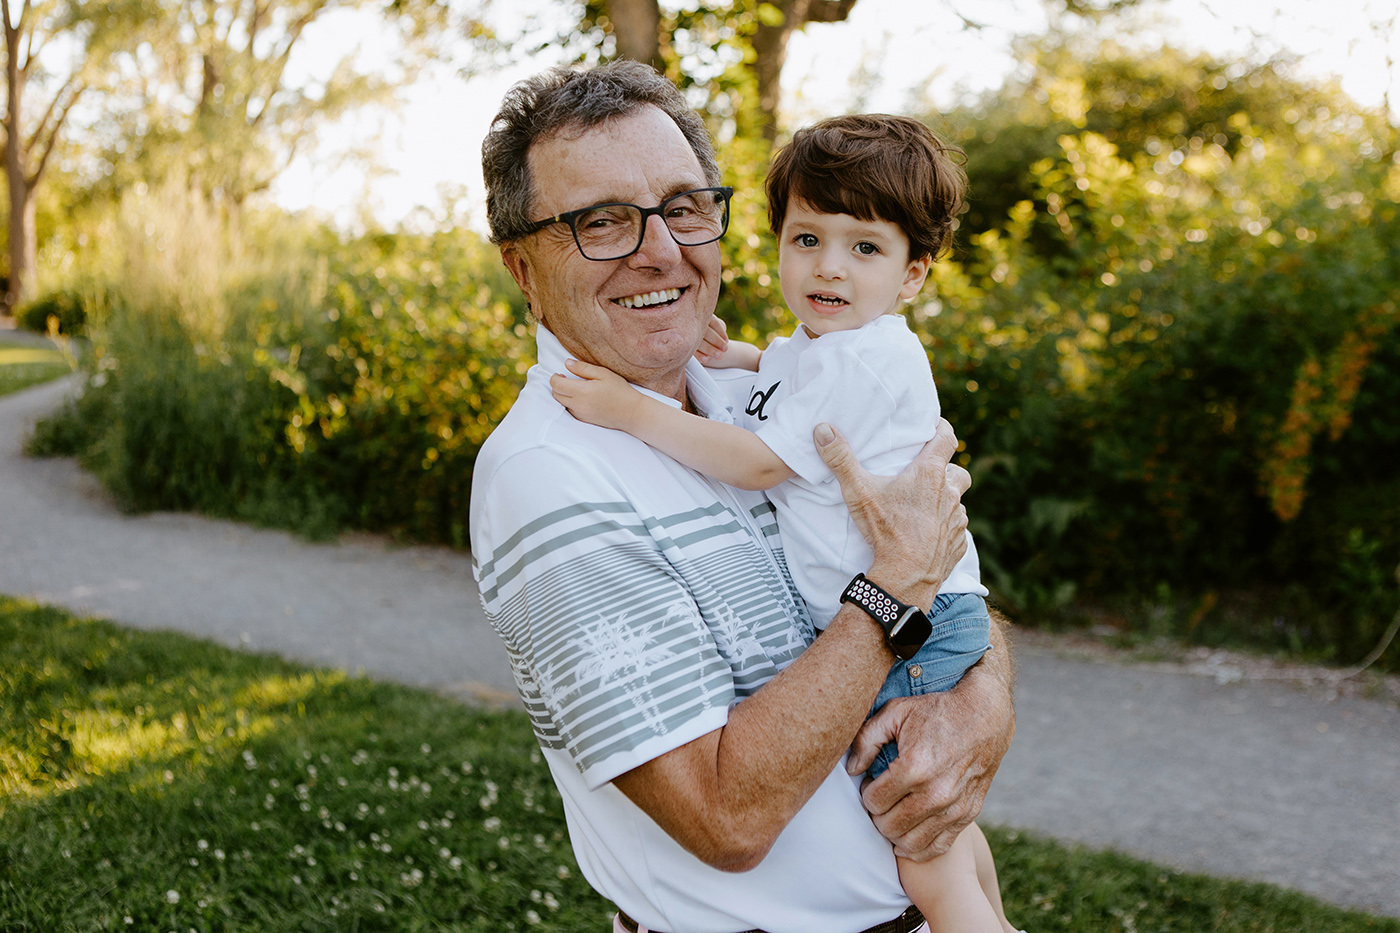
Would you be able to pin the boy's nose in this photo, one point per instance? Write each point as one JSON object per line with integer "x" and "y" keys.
{"x": 830, "y": 266}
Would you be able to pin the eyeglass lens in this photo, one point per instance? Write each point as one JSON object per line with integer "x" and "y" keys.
{"x": 611, "y": 231}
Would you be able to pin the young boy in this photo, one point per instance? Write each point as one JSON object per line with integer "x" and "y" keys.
{"x": 862, "y": 205}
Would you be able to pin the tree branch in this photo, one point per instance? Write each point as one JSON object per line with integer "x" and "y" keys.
{"x": 50, "y": 142}
{"x": 829, "y": 11}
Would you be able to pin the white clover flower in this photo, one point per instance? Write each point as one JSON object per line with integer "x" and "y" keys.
{"x": 492, "y": 823}
{"x": 202, "y": 845}
{"x": 172, "y": 897}
{"x": 551, "y": 902}
{"x": 425, "y": 748}
{"x": 504, "y": 843}
{"x": 532, "y": 917}
{"x": 562, "y": 871}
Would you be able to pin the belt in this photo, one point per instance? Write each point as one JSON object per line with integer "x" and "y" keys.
{"x": 907, "y": 922}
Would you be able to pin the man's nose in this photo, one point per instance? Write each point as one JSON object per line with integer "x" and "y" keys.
{"x": 658, "y": 247}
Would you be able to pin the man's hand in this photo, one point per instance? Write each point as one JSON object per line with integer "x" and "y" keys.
{"x": 950, "y": 746}
{"x": 915, "y": 521}
{"x": 599, "y": 396}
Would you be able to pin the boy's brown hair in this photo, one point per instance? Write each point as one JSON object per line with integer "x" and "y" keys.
{"x": 873, "y": 166}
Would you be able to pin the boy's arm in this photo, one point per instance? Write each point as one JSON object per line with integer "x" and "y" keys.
{"x": 725, "y": 452}
{"x": 719, "y": 352}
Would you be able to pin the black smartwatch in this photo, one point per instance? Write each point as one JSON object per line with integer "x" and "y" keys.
{"x": 906, "y": 627}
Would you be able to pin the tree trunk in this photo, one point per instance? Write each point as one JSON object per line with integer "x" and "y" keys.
{"x": 636, "y": 28}
{"x": 21, "y": 230}
{"x": 770, "y": 50}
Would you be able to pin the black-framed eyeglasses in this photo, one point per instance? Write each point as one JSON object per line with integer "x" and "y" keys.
{"x": 605, "y": 232}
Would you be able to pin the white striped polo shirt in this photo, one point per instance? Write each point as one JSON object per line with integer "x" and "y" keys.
{"x": 638, "y": 599}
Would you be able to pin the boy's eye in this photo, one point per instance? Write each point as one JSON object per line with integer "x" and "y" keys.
{"x": 867, "y": 249}
{"x": 806, "y": 239}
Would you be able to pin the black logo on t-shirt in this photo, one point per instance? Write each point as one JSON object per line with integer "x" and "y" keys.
{"x": 759, "y": 399}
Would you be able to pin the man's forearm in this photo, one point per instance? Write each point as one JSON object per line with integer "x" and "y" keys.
{"x": 748, "y": 779}
{"x": 727, "y": 795}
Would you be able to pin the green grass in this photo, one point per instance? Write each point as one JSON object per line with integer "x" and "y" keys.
{"x": 22, "y": 367}
{"x": 154, "y": 782}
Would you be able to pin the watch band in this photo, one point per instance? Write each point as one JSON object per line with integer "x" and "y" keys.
{"x": 881, "y": 606}
{"x": 906, "y": 627}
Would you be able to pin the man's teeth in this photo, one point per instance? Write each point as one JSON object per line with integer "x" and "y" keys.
{"x": 650, "y": 298}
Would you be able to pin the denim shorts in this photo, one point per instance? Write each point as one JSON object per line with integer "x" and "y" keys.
{"x": 961, "y": 635}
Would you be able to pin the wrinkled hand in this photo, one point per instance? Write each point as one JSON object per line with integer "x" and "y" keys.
{"x": 950, "y": 746}
{"x": 599, "y": 396}
{"x": 715, "y": 343}
{"x": 914, "y": 521}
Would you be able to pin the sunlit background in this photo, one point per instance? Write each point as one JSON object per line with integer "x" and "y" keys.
{"x": 890, "y": 55}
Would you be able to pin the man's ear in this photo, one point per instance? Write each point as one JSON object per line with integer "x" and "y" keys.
{"x": 914, "y": 277}
{"x": 518, "y": 264}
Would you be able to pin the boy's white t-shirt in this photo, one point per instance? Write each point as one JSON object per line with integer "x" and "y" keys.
{"x": 875, "y": 386}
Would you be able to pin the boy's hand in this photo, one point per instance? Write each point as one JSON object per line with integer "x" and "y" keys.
{"x": 719, "y": 352}
{"x": 599, "y": 396}
{"x": 716, "y": 342}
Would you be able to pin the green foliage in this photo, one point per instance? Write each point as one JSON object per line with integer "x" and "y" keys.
{"x": 1179, "y": 356}
{"x": 151, "y": 781}
{"x": 304, "y": 392}
{"x": 62, "y": 310}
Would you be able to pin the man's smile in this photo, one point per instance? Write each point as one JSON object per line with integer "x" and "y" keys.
{"x": 651, "y": 299}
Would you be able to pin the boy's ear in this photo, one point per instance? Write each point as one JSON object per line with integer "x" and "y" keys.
{"x": 914, "y": 277}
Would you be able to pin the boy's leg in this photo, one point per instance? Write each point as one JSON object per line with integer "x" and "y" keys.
{"x": 987, "y": 873}
{"x": 948, "y": 891}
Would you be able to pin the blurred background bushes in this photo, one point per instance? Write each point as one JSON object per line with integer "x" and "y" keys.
{"x": 1167, "y": 340}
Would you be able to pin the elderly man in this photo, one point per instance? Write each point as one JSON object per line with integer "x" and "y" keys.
{"x": 695, "y": 729}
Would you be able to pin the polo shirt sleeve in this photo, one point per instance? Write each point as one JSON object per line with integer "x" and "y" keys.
{"x": 611, "y": 655}
{"x": 836, "y": 384}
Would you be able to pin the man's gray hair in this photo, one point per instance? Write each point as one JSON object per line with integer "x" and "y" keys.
{"x": 568, "y": 100}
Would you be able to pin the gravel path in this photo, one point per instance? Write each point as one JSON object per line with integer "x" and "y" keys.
{"x": 1205, "y": 766}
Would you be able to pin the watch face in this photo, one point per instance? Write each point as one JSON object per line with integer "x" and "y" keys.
{"x": 909, "y": 633}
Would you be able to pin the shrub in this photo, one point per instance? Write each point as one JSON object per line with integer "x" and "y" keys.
{"x": 67, "y": 308}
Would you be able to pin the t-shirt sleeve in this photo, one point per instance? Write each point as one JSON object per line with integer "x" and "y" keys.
{"x": 613, "y": 660}
{"x": 840, "y": 386}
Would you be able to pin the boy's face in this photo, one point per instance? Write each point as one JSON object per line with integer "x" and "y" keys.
{"x": 839, "y": 272}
